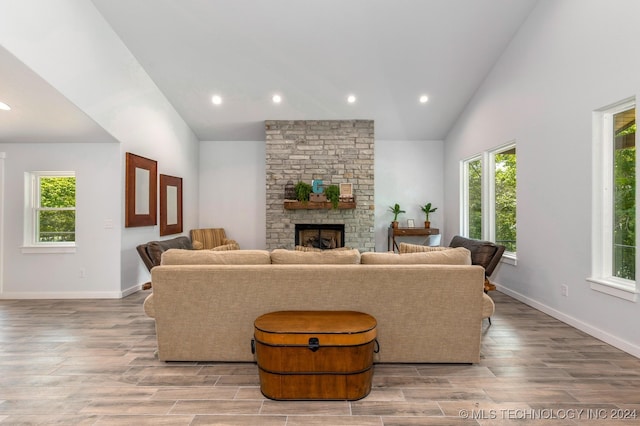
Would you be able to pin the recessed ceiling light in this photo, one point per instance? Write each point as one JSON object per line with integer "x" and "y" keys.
{"x": 216, "y": 99}
{"x": 276, "y": 99}
{"x": 351, "y": 99}
{"x": 4, "y": 106}
{"x": 424, "y": 99}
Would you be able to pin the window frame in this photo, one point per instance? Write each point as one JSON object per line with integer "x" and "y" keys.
{"x": 31, "y": 210}
{"x": 487, "y": 161}
{"x": 602, "y": 278}
{"x": 465, "y": 226}
{"x": 510, "y": 256}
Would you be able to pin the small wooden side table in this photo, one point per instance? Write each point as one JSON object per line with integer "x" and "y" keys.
{"x": 407, "y": 232}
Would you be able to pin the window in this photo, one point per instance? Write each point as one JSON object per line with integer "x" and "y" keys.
{"x": 489, "y": 197}
{"x": 50, "y": 209}
{"x": 614, "y": 201}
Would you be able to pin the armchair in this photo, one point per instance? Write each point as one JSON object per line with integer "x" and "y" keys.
{"x": 483, "y": 253}
{"x": 211, "y": 238}
{"x": 151, "y": 252}
{"x": 487, "y": 255}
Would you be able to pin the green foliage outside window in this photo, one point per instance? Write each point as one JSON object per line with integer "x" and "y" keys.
{"x": 505, "y": 193}
{"x": 474, "y": 173}
{"x": 56, "y": 214}
{"x": 624, "y": 220}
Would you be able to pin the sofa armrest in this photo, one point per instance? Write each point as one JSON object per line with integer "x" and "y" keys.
{"x": 148, "y": 306}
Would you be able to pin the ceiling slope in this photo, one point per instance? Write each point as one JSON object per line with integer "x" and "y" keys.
{"x": 314, "y": 53}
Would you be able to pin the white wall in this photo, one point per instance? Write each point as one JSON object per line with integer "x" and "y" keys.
{"x": 232, "y": 187}
{"x": 409, "y": 173}
{"x": 49, "y": 275}
{"x": 570, "y": 58}
{"x": 233, "y": 190}
{"x": 68, "y": 43}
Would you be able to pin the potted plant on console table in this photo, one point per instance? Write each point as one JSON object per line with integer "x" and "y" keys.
{"x": 396, "y": 210}
{"x": 427, "y": 210}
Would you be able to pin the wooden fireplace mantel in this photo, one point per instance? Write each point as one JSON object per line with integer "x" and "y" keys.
{"x": 314, "y": 205}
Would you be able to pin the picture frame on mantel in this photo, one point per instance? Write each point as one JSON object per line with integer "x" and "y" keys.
{"x": 170, "y": 205}
{"x": 141, "y": 196}
{"x": 346, "y": 191}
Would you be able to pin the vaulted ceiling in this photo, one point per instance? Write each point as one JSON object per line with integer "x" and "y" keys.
{"x": 313, "y": 53}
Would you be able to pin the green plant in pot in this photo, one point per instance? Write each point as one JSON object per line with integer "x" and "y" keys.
{"x": 303, "y": 189}
{"x": 426, "y": 209}
{"x": 396, "y": 210}
{"x": 332, "y": 192}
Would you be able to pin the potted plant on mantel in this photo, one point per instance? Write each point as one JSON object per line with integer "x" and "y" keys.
{"x": 427, "y": 210}
{"x": 303, "y": 190}
{"x": 333, "y": 195}
{"x": 396, "y": 211}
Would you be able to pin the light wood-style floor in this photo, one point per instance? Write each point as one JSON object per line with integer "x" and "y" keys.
{"x": 92, "y": 362}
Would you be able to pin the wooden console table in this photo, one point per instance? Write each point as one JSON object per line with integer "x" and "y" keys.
{"x": 407, "y": 232}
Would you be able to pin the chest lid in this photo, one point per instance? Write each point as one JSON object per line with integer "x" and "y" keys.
{"x": 292, "y": 328}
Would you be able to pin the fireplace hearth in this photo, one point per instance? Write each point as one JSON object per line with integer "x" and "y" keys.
{"x": 321, "y": 236}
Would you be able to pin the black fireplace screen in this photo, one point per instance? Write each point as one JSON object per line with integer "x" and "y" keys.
{"x": 323, "y": 236}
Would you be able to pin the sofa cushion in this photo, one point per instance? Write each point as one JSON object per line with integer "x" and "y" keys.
{"x": 416, "y": 248}
{"x": 326, "y": 257}
{"x": 156, "y": 248}
{"x": 453, "y": 256}
{"x": 211, "y": 257}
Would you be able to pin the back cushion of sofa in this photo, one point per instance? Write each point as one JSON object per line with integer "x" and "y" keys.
{"x": 453, "y": 256}
{"x": 210, "y": 257}
{"x": 324, "y": 257}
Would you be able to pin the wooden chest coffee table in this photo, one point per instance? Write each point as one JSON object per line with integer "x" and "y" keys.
{"x": 305, "y": 355}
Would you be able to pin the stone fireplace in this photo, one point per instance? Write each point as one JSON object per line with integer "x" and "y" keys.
{"x": 336, "y": 151}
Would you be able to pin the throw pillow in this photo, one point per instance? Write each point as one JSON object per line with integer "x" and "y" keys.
{"x": 197, "y": 245}
{"x": 232, "y": 246}
{"x": 324, "y": 257}
{"x": 454, "y": 256}
{"x": 415, "y": 248}
{"x": 305, "y": 248}
{"x": 316, "y": 250}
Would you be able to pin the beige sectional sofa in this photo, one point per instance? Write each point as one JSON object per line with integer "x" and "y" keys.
{"x": 204, "y": 303}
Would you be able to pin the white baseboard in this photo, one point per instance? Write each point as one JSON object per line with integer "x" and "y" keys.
{"x": 72, "y": 294}
{"x": 591, "y": 330}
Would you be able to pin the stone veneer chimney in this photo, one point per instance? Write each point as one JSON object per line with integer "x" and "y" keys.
{"x": 336, "y": 151}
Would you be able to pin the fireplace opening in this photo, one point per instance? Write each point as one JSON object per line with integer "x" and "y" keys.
{"x": 323, "y": 236}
